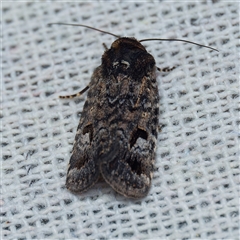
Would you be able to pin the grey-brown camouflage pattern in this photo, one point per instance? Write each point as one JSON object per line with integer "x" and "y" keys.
{"x": 117, "y": 132}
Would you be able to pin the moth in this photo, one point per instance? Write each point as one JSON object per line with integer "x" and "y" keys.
{"x": 117, "y": 133}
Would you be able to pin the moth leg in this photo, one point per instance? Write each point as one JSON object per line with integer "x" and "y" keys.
{"x": 159, "y": 127}
{"x": 77, "y": 94}
{"x": 167, "y": 69}
{"x": 105, "y": 46}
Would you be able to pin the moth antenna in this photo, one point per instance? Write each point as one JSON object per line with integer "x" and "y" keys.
{"x": 143, "y": 40}
{"x": 177, "y": 40}
{"x": 81, "y": 25}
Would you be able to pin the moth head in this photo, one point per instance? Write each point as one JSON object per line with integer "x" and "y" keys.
{"x": 127, "y": 43}
{"x": 129, "y": 57}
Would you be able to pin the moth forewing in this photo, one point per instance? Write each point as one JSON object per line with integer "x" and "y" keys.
{"x": 117, "y": 133}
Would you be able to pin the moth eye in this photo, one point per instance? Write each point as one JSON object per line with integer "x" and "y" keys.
{"x": 88, "y": 129}
{"x": 137, "y": 133}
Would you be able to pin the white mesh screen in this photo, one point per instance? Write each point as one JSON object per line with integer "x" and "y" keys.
{"x": 195, "y": 190}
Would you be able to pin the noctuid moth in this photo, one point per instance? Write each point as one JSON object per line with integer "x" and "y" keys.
{"x": 117, "y": 133}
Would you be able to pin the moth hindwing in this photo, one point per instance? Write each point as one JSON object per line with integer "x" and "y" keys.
{"x": 117, "y": 132}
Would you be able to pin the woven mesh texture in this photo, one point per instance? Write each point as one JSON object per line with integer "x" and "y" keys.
{"x": 195, "y": 189}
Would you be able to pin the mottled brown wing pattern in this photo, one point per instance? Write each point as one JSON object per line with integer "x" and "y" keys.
{"x": 116, "y": 136}
{"x": 127, "y": 163}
